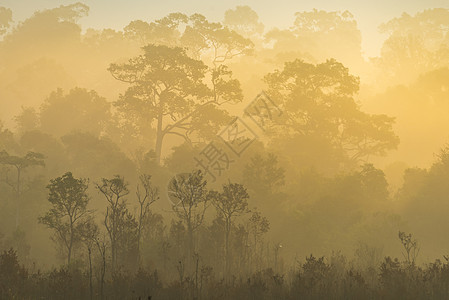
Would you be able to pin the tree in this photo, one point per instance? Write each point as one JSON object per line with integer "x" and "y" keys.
{"x": 20, "y": 164}
{"x": 120, "y": 224}
{"x": 94, "y": 156}
{"x": 113, "y": 190}
{"x": 192, "y": 195}
{"x": 317, "y": 35}
{"x": 336, "y": 29}
{"x": 257, "y": 226}
{"x": 263, "y": 174}
{"x": 27, "y": 120}
{"x": 68, "y": 213}
{"x": 230, "y": 203}
{"x": 165, "y": 84}
{"x": 374, "y": 183}
{"x": 213, "y": 41}
{"x": 89, "y": 236}
{"x": 426, "y": 100}
{"x": 243, "y": 20}
{"x": 425, "y": 194}
{"x": 321, "y": 115}
{"x": 169, "y": 93}
{"x": 164, "y": 31}
{"x": 416, "y": 44}
{"x": 411, "y": 247}
{"x": 78, "y": 110}
{"x": 7, "y": 142}
{"x": 145, "y": 197}
{"x": 46, "y": 32}
{"x": 13, "y": 276}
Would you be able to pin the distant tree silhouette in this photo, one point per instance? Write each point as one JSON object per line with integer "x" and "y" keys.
{"x": 68, "y": 213}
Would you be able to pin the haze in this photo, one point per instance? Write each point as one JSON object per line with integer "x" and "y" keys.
{"x": 224, "y": 150}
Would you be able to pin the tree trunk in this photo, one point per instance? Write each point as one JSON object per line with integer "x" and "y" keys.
{"x": 114, "y": 239}
{"x": 90, "y": 272}
{"x": 159, "y": 138}
{"x": 102, "y": 250}
{"x": 69, "y": 255}
{"x": 18, "y": 198}
{"x": 227, "y": 257}
{"x": 190, "y": 246}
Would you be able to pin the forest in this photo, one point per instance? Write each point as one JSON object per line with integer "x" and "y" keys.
{"x": 191, "y": 158}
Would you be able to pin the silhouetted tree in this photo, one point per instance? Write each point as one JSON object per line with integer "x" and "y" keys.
{"x": 168, "y": 87}
{"x": 145, "y": 197}
{"x": 68, "y": 214}
{"x": 114, "y": 190}
{"x": 257, "y": 226}
{"x": 411, "y": 247}
{"x": 191, "y": 192}
{"x": 230, "y": 203}
{"x": 20, "y": 164}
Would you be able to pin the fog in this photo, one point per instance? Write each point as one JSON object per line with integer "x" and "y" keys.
{"x": 197, "y": 157}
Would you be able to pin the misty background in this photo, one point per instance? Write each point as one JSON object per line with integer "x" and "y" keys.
{"x": 119, "y": 104}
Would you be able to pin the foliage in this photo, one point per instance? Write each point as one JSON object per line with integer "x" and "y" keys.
{"x": 68, "y": 213}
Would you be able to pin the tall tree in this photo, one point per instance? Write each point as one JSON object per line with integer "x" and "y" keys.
{"x": 167, "y": 89}
{"x": 114, "y": 190}
{"x": 68, "y": 213}
{"x": 172, "y": 93}
{"x": 20, "y": 164}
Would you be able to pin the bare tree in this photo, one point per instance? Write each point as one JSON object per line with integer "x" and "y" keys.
{"x": 146, "y": 194}
{"x": 114, "y": 190}
{"x": 411, "y": 247}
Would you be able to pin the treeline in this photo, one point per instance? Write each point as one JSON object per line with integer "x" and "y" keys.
{"x": 215, "y": 247}
{"x": 313, "y": 278}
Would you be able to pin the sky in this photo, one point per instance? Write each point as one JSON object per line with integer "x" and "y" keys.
{"x": 280, "y": 13}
